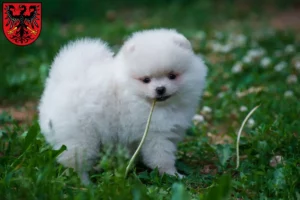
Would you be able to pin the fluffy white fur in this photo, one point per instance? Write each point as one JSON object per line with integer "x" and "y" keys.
{"x": 93, "y": 98}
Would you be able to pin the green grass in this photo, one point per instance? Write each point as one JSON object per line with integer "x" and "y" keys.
{"x": 28, "y": 169}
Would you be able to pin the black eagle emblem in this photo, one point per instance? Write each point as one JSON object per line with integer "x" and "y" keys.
{"x": 22, "y": 26}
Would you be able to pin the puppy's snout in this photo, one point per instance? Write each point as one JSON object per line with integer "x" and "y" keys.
{"x": 160, "y": 90}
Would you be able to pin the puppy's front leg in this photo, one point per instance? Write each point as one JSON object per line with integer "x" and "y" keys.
{"x": 160, "y": 152}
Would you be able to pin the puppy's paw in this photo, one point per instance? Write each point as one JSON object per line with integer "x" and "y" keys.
{"x": 84, "y": 177}
{"x": 175, "y": 173}
{"x": 180, "y": 176}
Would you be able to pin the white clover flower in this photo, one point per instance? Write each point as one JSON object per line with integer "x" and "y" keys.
{"x": 297, "y": 65}
{"x": 237, "y": 40}
{"x": 219, "y": 35}
{"x": 252, "y": 53}
{"x": 207, "y": 94}
{"x": 237, "y": 68}
{"x": 226, "y": 48}
{"x": 275, "y": 160}
{"x": 243, "y": 108}
{"x": 206, "y": 109}
{"x": 250, "y": 123}
{"x": 220, "y": 95}
{"x": 216, "y": 46}
{"x": 289, "y": 48}
{"x": 247, "y": 59}
{"x": 288, "y": 93}
{"x": 198, "y": 118}
{"x": 280, "y": 66}
{"x": 200, "y": 35}
{"x": 240, "y": 39}
{"x": 292, "y": 79}
{"x": 255, "y": 53}
{"x": 265, "y": 62}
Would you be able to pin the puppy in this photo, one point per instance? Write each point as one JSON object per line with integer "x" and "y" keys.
{"x": 92, "y": 98}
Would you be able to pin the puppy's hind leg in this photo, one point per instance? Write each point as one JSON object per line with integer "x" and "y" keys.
{"x": 80, "y": 156}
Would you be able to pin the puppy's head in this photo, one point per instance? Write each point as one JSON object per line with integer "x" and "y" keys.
{"x": 157, "y": 63}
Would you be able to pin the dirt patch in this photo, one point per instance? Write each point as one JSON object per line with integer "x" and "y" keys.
{"x": 289, "y": 19}
{"x": 22, "y": 114}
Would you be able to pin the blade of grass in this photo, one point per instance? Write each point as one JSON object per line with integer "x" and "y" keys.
{"x": 239, "y": 136}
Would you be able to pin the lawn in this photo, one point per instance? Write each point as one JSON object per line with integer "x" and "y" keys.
{"x": 253, "y": 58}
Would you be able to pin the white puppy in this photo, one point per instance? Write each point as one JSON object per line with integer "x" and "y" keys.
{"x": 92, "y": 98}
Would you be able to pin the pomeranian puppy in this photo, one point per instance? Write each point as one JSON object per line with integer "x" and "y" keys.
{"x": 93, "y": 98}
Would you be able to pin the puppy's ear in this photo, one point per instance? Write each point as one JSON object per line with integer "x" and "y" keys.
{"x": 182, "y": 42}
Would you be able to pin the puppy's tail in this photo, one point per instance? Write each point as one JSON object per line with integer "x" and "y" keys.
{"x": 77, "y": 56}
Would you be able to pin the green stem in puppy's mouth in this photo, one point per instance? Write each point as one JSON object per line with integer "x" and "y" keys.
{"x": 142, "y": 141}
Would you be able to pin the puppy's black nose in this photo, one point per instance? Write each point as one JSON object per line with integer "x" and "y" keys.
{"x": 160, "y": 90}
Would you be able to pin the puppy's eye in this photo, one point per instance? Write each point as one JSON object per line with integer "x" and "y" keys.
{"x": 146, "y": 79}
{"x": 172, "y": 76}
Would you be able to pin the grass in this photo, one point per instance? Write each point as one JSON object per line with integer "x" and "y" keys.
{"x": 247, "y": 67}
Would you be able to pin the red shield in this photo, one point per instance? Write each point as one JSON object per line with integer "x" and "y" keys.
{"x": 22, "y": 22}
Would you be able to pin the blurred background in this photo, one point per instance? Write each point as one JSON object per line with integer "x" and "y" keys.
{"x": 252, "y": 50}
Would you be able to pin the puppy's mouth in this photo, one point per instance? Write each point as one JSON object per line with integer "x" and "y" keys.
{"x": 162, "y": 98}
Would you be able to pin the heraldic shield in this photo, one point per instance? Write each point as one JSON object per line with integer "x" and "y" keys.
{"x": 22, "y": 22}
